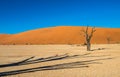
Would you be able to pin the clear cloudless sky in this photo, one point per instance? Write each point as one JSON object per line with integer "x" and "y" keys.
{"x": 22, "y": 15}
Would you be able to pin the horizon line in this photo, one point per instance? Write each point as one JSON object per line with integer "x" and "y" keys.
{"x": 63, "y": 26}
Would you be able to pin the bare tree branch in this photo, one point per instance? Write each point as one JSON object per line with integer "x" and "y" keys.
{"x": 88, "y": 36}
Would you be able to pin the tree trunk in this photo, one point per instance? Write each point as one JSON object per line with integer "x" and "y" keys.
{"x": 88, "y": 46}
{"x": 88, "y": 37}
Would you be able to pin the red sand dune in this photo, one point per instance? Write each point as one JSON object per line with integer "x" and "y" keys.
{"x": 61, "y": 35}
{"x": 3, "y": 36}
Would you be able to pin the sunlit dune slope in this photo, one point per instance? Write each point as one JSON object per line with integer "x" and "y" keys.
{"x": 62, "y": 35}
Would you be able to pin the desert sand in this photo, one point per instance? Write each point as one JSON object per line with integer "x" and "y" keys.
{"x": 103, "y": 61}
{"x": 61, "y": 35}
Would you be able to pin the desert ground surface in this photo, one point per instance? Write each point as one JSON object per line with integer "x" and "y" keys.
{"x": 60, "y": 61}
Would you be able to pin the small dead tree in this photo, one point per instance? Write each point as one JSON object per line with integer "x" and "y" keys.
{"x": 108, "y": 40}
{"x": 88, "y": 36}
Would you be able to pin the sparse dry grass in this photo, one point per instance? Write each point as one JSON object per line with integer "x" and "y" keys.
{"x": 101, "y": 68}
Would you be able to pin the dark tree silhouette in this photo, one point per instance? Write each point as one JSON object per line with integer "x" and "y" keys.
{"x": 88, "y": 36}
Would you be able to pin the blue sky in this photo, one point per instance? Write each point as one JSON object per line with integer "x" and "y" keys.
{"x": 22, "y": 15}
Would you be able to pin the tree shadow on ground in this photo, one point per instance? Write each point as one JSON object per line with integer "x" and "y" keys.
{"x": 39, "y": 60}
{"x": 77, "y": 64}
{"x": 46, "y": 59}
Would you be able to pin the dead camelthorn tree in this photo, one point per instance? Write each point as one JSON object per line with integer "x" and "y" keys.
{"x": 108, "y": 40}
{"x": 88, "y": 36}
